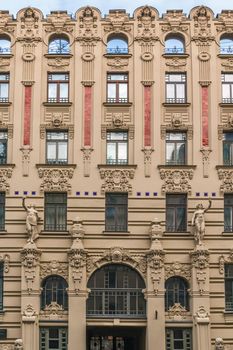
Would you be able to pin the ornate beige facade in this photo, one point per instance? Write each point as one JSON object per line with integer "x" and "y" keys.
{"x": 101, "y": 140}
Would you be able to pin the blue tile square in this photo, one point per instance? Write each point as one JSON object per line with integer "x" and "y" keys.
{"x": 155, "y": 194}
{"x": 138, "y": 193}
{"x": 205, "y": 194}
{"x": 33, "y": 193}
{"x": 16, "y": 193}
{"x": 94, "y": 193}
{"x": 197, "y": 194}
{"x": 25, "y": 192}
{"x": 77, "y": 193}
{"x": 86, "y": 193}
{"x": 147, "y": 194}
{"x": 213, "y": 194}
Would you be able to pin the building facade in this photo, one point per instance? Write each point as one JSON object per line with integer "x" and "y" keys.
{"x": 116, "y": 180}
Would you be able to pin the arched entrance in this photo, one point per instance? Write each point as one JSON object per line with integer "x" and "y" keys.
{"x": 116, "y": 309}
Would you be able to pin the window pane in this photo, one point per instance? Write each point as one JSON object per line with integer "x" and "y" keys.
{"x": 51, "y": 151}
{"x": 175, "y": 77}
{"x": 180, "y": 91}
{"x": 122, "y": 151}
{"x": 4, "y": 90}
{"x": 52, "y": 93}
{"x": 58, "y": 76}
{"x": 228, "y": 77}
{"x": 117, "y": 77}
{"x": 181, "y": 219}
{"x": 227, "y": 219}
{"x": 62, "y": 151}
{"x": 111, "y": 151}
{"x": 64, "y": 90}
{"x": 123, "y": 93}
{"x": 111, "y": 90}
{"x": 180, "y": 153}
{"x": 170, "y": 91}
{"x": 170, "y": 219}
{"x": 170, "y": 152}
{"x": 226, "y": 91}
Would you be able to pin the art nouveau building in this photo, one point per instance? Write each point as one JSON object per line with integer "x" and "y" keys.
{"x": 115, "y": 128}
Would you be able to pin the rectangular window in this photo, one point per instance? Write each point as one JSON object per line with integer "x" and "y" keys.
{"x": 2, "y": 211}
{"x": 4, "y": 87}
{"x": 1, "y": 285}
{"x": 227, "y": 88}
{"x": 53, "y": 338}
{"x": 58, "y": 87}
{"x": 178, "y": 339}
{"x": 117, "y": 88}
{"x": 55, "y": 211}
{"x": 228, "y": 148}
{"x": 117, "y": 147}
{"x": 229, "y": 287}
{"x": 175, "y": 88}
{"x": 57, "y": 147}
{"x": 176, "y": 148}
{"x": 176, "y": 212}
{"x": 3, "y": 146}
{"x": 228, "y": 212}
{"x": 116, "y": 214}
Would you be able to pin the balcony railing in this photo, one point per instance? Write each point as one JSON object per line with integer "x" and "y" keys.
{"x": 56, "y": 161}
{"x": 58, "y": 100}
{"x": 116, "y": 227}
{"x": 117, "y": 161}
{"x": 227, "y": 100}
{"x": 175, "y": 100}
{"x": 174, "y": 50}
{"x": 117, "y": 100}
{"x": 59, "y": 51}
{"x": 4, "y": 99}
{"x": 122, "y": 303}
{"x": 55, "y": 227}
{"x": 5, "y": 50}
{"x": 229, "y": 304}
{"x": 117, "y": 50}
{"x": 226, "y": 50}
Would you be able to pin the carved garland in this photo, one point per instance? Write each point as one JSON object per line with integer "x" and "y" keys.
{"x": 226, "y": 176}
{"x": 117, "y": 255}
{"x": 77, "y": 260}
{"x": 5, "y": 174}
{"x": 55, "y": 179}
{"x": 117, "y": 180}
{"x": 30, "y": 257}
{"x": 225, "y": 259}
{"x": 178, "y": 269}
{"x": 200, "y": 260}
{"x": 54, "y": 268}
{"x": 176, "y": 180}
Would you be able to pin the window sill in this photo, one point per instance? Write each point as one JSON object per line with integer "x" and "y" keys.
{"x": 221, "y": 104}
{"x": 5, "y": 104}
{"x": 46, "y": 232}
{"x": 57, "y": 104}
{"x": 55, "y": 55}
{"x": 180, "y": 55}
{"x": 227, "y": 233}
{"x": 178, "y": 166}
{"x": 228, "y": 316}
{"x": 47, "y": 165}
{"x": 121, "y": 55}
{"x": 7, "y": 165}
{"x": 117, "y": 104}
{"x": 224, "y": 167}
{"x": 226, "y": 55}
{"x": 116, "y": 233}
{"x": 130, "y": 166}
{"x": 175, "y": 104}
{"x": 3, "y": 232}
{"x": 182, "y": 233}
{"x": 6, "y": 55}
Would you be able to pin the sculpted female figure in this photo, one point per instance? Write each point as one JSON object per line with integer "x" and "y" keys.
{"x": 198, "y": 221}
{"x": 31, "y": 222}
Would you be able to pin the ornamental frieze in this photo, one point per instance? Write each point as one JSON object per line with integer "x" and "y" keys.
{"x": 146, "y": 24}
{"x": 178, "y": 269}
{"x": 54, "y": 268}
{"x": 116, "y": 180}
{"x": 58, "y": 63}
{"x": 174, "y": 21}
{"x": 225, "y": 22}
{"x": 226, "y": 177}
{"x": 176, "y": 180}
{"x": 5, "y": 175}
{"x": 202, "y": 26}
{"x": 6, "y": 23}
{"x": 227, "y": 64}
{"x": 88, "y": 28}
{"x": 59, "y": 22}
{"x": 117, "y": 21}
{"x": 117, "y": 255}
{"x": 117, "y": 63}
{"x": 55, "y": 178}
{"x": 176, "y": 64}
{"x": 4, "y": 63}
{"x": 53, "y": 312}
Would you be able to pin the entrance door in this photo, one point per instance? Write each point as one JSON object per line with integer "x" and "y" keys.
{"x": 110, "y": 342}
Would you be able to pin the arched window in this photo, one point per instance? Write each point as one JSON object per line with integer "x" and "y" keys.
{"x": 174, "y": 45}
{"x": 54, "y": 290}
{"x": 226, "y": 45}
{"x": 59, "y": 45}
{"x": 117, "y": 45}
{"x": 5, "y": 45}
{"x": 116, "y": 291}
{"x": 176, "y": 292}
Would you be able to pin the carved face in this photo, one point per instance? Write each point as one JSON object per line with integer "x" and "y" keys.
{"x": 28, "y": 13}
{"x": 29, "y": 260}
{"x": 219, "y": 344}
{"x": 199, "y": 206}
{"x": 202, "y": 262}
{"x": 18, "y": 344}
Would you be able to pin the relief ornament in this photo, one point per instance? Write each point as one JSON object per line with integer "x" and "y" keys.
{"x": 31, "y": 221}
{"x": 198, "y": 222}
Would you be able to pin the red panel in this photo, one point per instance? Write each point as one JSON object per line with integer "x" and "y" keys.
{"x": 87, "y": 115}
{"x": 147, "y": 116}
{"x": 205, "y": 112}
{"x": 27, "y": 115}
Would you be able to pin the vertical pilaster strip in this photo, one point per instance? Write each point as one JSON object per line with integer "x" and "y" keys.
{"x": 205, "y": 115}
{"x": 27, "y": 115}
{"x": 147, "y": 116}
{"x": 87, "y": 115}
